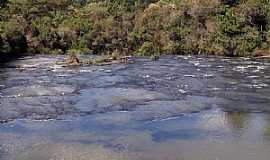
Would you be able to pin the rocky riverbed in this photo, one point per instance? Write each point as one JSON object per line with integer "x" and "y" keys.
{"x": 179, "y": 107}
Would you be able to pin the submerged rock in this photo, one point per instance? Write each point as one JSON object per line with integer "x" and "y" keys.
{"x": 108, "y": 99}
{"x": 37, "y": 90}
{"x": 71, "y": 152}
{"x": 154, "y": 110}
{"x": 35, "y": 108}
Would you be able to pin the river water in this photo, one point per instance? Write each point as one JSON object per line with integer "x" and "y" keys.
{"x": 177, "y": 108}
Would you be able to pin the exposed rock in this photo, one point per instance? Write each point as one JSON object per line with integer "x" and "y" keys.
{"x": 73, "y": 60}
{"x": 262, "y": 54}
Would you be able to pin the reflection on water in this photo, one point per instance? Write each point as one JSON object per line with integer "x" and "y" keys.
{"x": 210, "y": 134}
{"x": 267, "y": 130}
{"x": 176, "y": 108}
{"x": 238, "y": 121}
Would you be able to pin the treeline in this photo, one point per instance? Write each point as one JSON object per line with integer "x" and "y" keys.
{"x": 138, "y": 27}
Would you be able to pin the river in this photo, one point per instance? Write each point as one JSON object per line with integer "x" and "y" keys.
{"x": 177, "y": 108}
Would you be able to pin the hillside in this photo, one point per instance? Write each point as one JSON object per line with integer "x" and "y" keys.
{"x": 135, "y": 27}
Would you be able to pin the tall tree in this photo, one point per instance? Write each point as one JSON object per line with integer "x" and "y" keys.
{"x": 3, "y": 3}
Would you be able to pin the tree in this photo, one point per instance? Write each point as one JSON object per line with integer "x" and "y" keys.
{"x": 3, "y": 3}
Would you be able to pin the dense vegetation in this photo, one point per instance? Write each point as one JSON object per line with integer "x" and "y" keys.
{"x": 141, "y": 27}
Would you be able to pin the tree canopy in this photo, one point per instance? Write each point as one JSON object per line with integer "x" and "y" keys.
{"x": 143, "y": 27}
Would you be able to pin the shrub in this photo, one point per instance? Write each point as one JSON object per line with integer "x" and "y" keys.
{"x": 151, "y": 28}
{"x": 13, "y": 35}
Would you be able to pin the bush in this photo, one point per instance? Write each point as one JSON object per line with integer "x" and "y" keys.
{"x": 14, "y": 37}
{"x": 151, "y": 28}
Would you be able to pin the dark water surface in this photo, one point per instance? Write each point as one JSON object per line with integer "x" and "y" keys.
{"x": 178, "y": 108}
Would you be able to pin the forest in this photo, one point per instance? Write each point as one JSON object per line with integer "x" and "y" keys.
{"x": 135, "y": 27}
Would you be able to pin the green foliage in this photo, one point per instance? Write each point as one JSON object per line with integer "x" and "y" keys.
{"x": 147, "y": 49}
{"x": 236, "y": 35}
{"x": 143, "y": 27}
{"x": 151, "y": 29}
{"x": 13, "y": 38}
{"x": 231, "y": 23}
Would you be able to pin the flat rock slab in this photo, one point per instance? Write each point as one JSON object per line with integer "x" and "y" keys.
{"x": 35, "y": 108}
{"x": 37, "y": 90}
{"x": 102, "y": 99}
{"x": 164, "y": 109}
{"x": 158, "y": 109}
